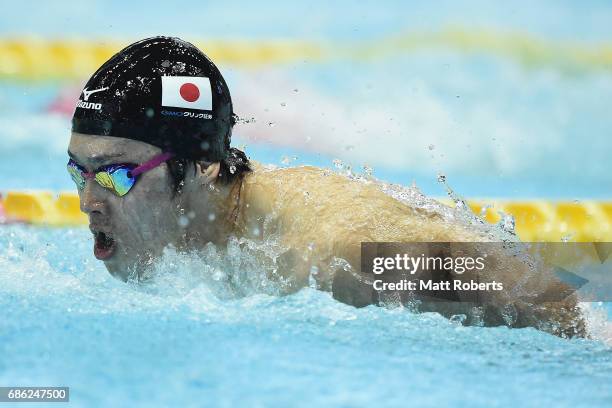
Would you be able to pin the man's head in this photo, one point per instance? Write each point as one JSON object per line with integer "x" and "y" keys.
{"x": 161, "y": 109}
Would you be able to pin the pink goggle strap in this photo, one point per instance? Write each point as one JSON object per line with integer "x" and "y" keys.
{"x": 151, "y": 164}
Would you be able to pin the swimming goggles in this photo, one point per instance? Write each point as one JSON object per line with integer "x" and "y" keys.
{"x": 119, "y": 178}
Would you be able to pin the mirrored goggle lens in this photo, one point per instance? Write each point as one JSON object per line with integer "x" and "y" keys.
{"x": 118, "y": 180}
{"x": 76, "y": 175}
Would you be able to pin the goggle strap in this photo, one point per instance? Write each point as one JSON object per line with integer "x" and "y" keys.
{"x": 151, "y": 164}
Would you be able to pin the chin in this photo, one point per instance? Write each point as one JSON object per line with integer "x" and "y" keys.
{"x": 125, "y": 267}
{"x": 118, "y": 269}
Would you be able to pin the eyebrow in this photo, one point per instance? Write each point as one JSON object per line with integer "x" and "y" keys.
{"x": 97, "y": 160}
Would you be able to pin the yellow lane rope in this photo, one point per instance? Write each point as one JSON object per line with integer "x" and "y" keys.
{"x": 536, "y": 220}
{"x": 31, "y": 58}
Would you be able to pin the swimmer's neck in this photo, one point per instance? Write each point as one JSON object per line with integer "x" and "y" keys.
{"x": 212, "y": 213}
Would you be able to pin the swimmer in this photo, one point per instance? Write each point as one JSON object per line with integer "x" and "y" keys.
{"x": 150, "y": 154}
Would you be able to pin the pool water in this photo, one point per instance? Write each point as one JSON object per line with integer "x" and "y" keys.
{"x": 184, "y": 339}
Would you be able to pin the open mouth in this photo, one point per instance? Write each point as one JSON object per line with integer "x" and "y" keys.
{"x": 104, "y": 246}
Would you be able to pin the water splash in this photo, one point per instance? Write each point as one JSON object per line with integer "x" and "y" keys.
{"x": 287, "y": 160}
{"x": 507, "y": 223}
{"x": 241, "y": 120}
{"x": 368, "y": 171}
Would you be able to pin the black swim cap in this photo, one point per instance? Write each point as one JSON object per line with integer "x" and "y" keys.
{"x": 162, "y": 91}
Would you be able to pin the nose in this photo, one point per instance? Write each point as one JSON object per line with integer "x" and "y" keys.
{"x": 92, "y": 198}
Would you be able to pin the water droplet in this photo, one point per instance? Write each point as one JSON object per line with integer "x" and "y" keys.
{"x": 441, "y": 178}
{"x": 218, "y": 275}
{"x": 232, "y": 169}
{"x": 179, "y": 67}
{"x": 477, "y": 316}
{"x": 295, "y": 90}
{"x": 283, "y": 104}
{"x": 483, "y": 210}
{"x": 256, "y": 231}
{"x": 165, "y": 63}
{"x": 312, "y": 282}
{"x": 205, "y": 145}
{"x": 349, "y": 171}
{"x": 271, "y": 124}
{"x": 509, "y": 314}
{"x": 431, "y": 147}
{"x": 211, "y": 216}
{"x": 183, "y": 221}
{"x": 458, "y": 319}
{"x": 286, "y": 160}
{"x": 191, "y": 215}
{"x": 368, "y": 170}
{"x": 150, "y": 112}
{"x": 460, "y": 204}
{"x": 244, "y": 120}
{"x": 507, "y": 222}
{"x": 338, "y": 163}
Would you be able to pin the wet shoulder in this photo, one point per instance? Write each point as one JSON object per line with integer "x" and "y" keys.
{"x": 313, "y": 204}
{"x": 299, "y": 185}
{"x": 309, "y": 195}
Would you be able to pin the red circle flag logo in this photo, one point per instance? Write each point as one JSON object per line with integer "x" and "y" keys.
{"x": 189, "y": 92}
{"x": 186, "y": 92}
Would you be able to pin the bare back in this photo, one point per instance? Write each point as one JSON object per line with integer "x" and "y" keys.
{"x": 322, "y": 217}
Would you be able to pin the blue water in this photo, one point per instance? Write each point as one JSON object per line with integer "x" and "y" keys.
{"x": 495, "y": 123}
{"x": 184, "y": 340}
{"x": 493, "y": 128}
{"x": 343, "y": 19}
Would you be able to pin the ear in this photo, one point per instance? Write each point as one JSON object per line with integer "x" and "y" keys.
{"x": 210, "y": 171}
